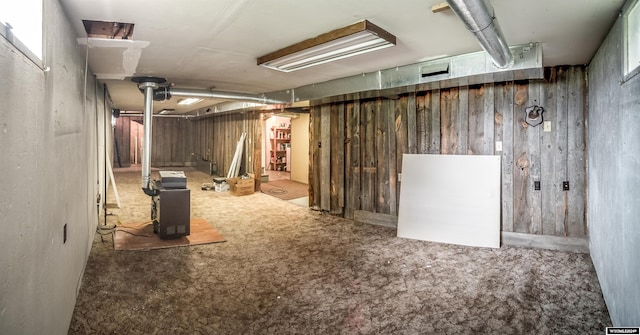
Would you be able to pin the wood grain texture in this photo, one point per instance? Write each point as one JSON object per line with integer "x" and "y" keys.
{"x": 521, "y": 206}
{"x": 410, "y": 120}
{"x": 337, "y": 159}
{"x": 325, "y": 158}
{"x": 462, "y": 122}
{"x": 448, "y": 119}
{"x": 422, "y": 130}
{"x": 382, "y": 152}
{"x": 377, "y": 219}
{"x": 314, "y": 160}
{"x": 576, "y": 145}
{"x": 352, "y": 159}
{"x": 561, "y": 197}
{"x": 435, "y": 132}
{"x": 548, "y": 180}
{"x": 488, "y": 141}
{"x": 533, "y": 143}
{"x": 504, "y": 107}
{"x": 476, "y": 120}
{"x": 469, "y": 120}
{"x": 368, "y": 161}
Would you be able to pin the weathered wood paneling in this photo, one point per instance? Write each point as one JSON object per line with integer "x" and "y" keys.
{"x": 560, "y": 157}
{"x": 448, "y": 121}
{"x": 504, "y": 119}
{"x": 466, "y": 120}
{"x": 576, "y": 143}
{"x": 353, "y": 156}
{"x": 422, "y": 122}
{"x": 548, "y": 147}
{"x": 368, "y": 167}
{"x": 336, "y": 154}
{"x": 434, "y": 125}
{"x": 122, "y": 142}
{"x": 325, "y": 158}
{"x": 214, "y": 139}
{"x": 383, "y": 157}
{"x": 314, "y": 159}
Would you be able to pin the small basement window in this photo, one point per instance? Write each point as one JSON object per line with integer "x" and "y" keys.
{"x": 632, "y": 40}
{"x": 21, "y": 25}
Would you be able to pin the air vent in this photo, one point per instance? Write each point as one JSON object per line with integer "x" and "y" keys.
{"x": 434, "y": 69}
{"x": 111, "y": 30}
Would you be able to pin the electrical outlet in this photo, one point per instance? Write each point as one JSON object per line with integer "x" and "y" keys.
{"x": 499, "y": 146}
{"x": 546, "y": 126}
{"x": 536, "y": 185}
{"x": 565, "y": 185}
{"x": 64, "y": 234}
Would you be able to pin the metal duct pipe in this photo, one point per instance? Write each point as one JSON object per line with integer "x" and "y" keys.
{"x": 167, "y": 92}
{"x": 147, "y": 85}
{"x": 150, "y": 87}
{"x": 146, "y": 151}
{"x": 479, "y": 17}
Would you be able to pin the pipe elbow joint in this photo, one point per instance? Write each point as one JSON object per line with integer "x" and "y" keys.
{"x": 150, "y": 192}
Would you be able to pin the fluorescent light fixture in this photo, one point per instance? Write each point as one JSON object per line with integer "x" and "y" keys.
{"x": 348, "y": 41}
{"x": 166, "y": 111}
{"x": 188, "y": 101}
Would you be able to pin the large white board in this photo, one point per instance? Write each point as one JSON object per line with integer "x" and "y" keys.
{"x": 450, "y": 199}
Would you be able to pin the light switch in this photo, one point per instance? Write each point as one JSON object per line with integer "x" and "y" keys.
{"x": 547, "y": 126}
{"x": 499, "y": 146}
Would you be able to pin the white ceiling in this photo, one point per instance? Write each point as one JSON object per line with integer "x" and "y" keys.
{"x": 215, "y": 43}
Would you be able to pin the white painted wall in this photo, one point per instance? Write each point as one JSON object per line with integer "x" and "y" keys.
{"x": 300, "y": 149}
{"x": 49, "y": 172}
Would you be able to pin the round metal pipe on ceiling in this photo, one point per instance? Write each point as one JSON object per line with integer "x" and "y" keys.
{"x": 479, "y": 17}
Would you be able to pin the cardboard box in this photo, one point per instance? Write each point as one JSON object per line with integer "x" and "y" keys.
{"x": 240, "y": 186}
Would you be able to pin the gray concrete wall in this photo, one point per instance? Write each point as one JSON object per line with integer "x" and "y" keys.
{"x": 49, "y": 171}
{"x": 614, "y": 180}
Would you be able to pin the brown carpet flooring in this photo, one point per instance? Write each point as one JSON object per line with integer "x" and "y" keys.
{"x": 288, "y": 270}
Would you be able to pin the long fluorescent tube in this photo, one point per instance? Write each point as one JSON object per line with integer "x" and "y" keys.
{"x": 188, "y": 101}
{"x": 352, "y": 40}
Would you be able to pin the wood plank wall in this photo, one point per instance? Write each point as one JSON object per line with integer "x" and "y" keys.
{"x": 171, "y": 143}
{"x": 182, "y": 142}
{"x": 357, "y": 146}
{"x": 215, "y": 140}
{"x": 121, "y": 138}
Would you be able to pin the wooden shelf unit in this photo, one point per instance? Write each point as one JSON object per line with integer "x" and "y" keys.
{"x": 280, "y": 141}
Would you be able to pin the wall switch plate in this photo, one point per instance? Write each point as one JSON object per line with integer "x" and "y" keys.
{"x": 499, "y": 146}
{"x": 400, "y": 176}
{"x": 546, "y": 126}
{"x": 565, "y": 185}
{"x": 536, "y": 185}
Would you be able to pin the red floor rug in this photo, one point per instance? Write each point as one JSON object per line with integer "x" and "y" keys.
{"x": 141, "y": 237}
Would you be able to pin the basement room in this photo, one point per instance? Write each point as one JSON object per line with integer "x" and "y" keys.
{"x": 320, "y": 167}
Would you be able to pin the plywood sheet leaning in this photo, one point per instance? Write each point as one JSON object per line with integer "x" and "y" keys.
{"x": 451, "y": 199}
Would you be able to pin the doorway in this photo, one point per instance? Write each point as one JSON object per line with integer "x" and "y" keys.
{"x": 286, "y": 155}
{"x": 277, "y": 148}
{"x": 136, "y": 137}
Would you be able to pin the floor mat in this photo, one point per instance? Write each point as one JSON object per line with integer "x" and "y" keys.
{"x": 285, "y": 189}
{"x": 141, "y": 237}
